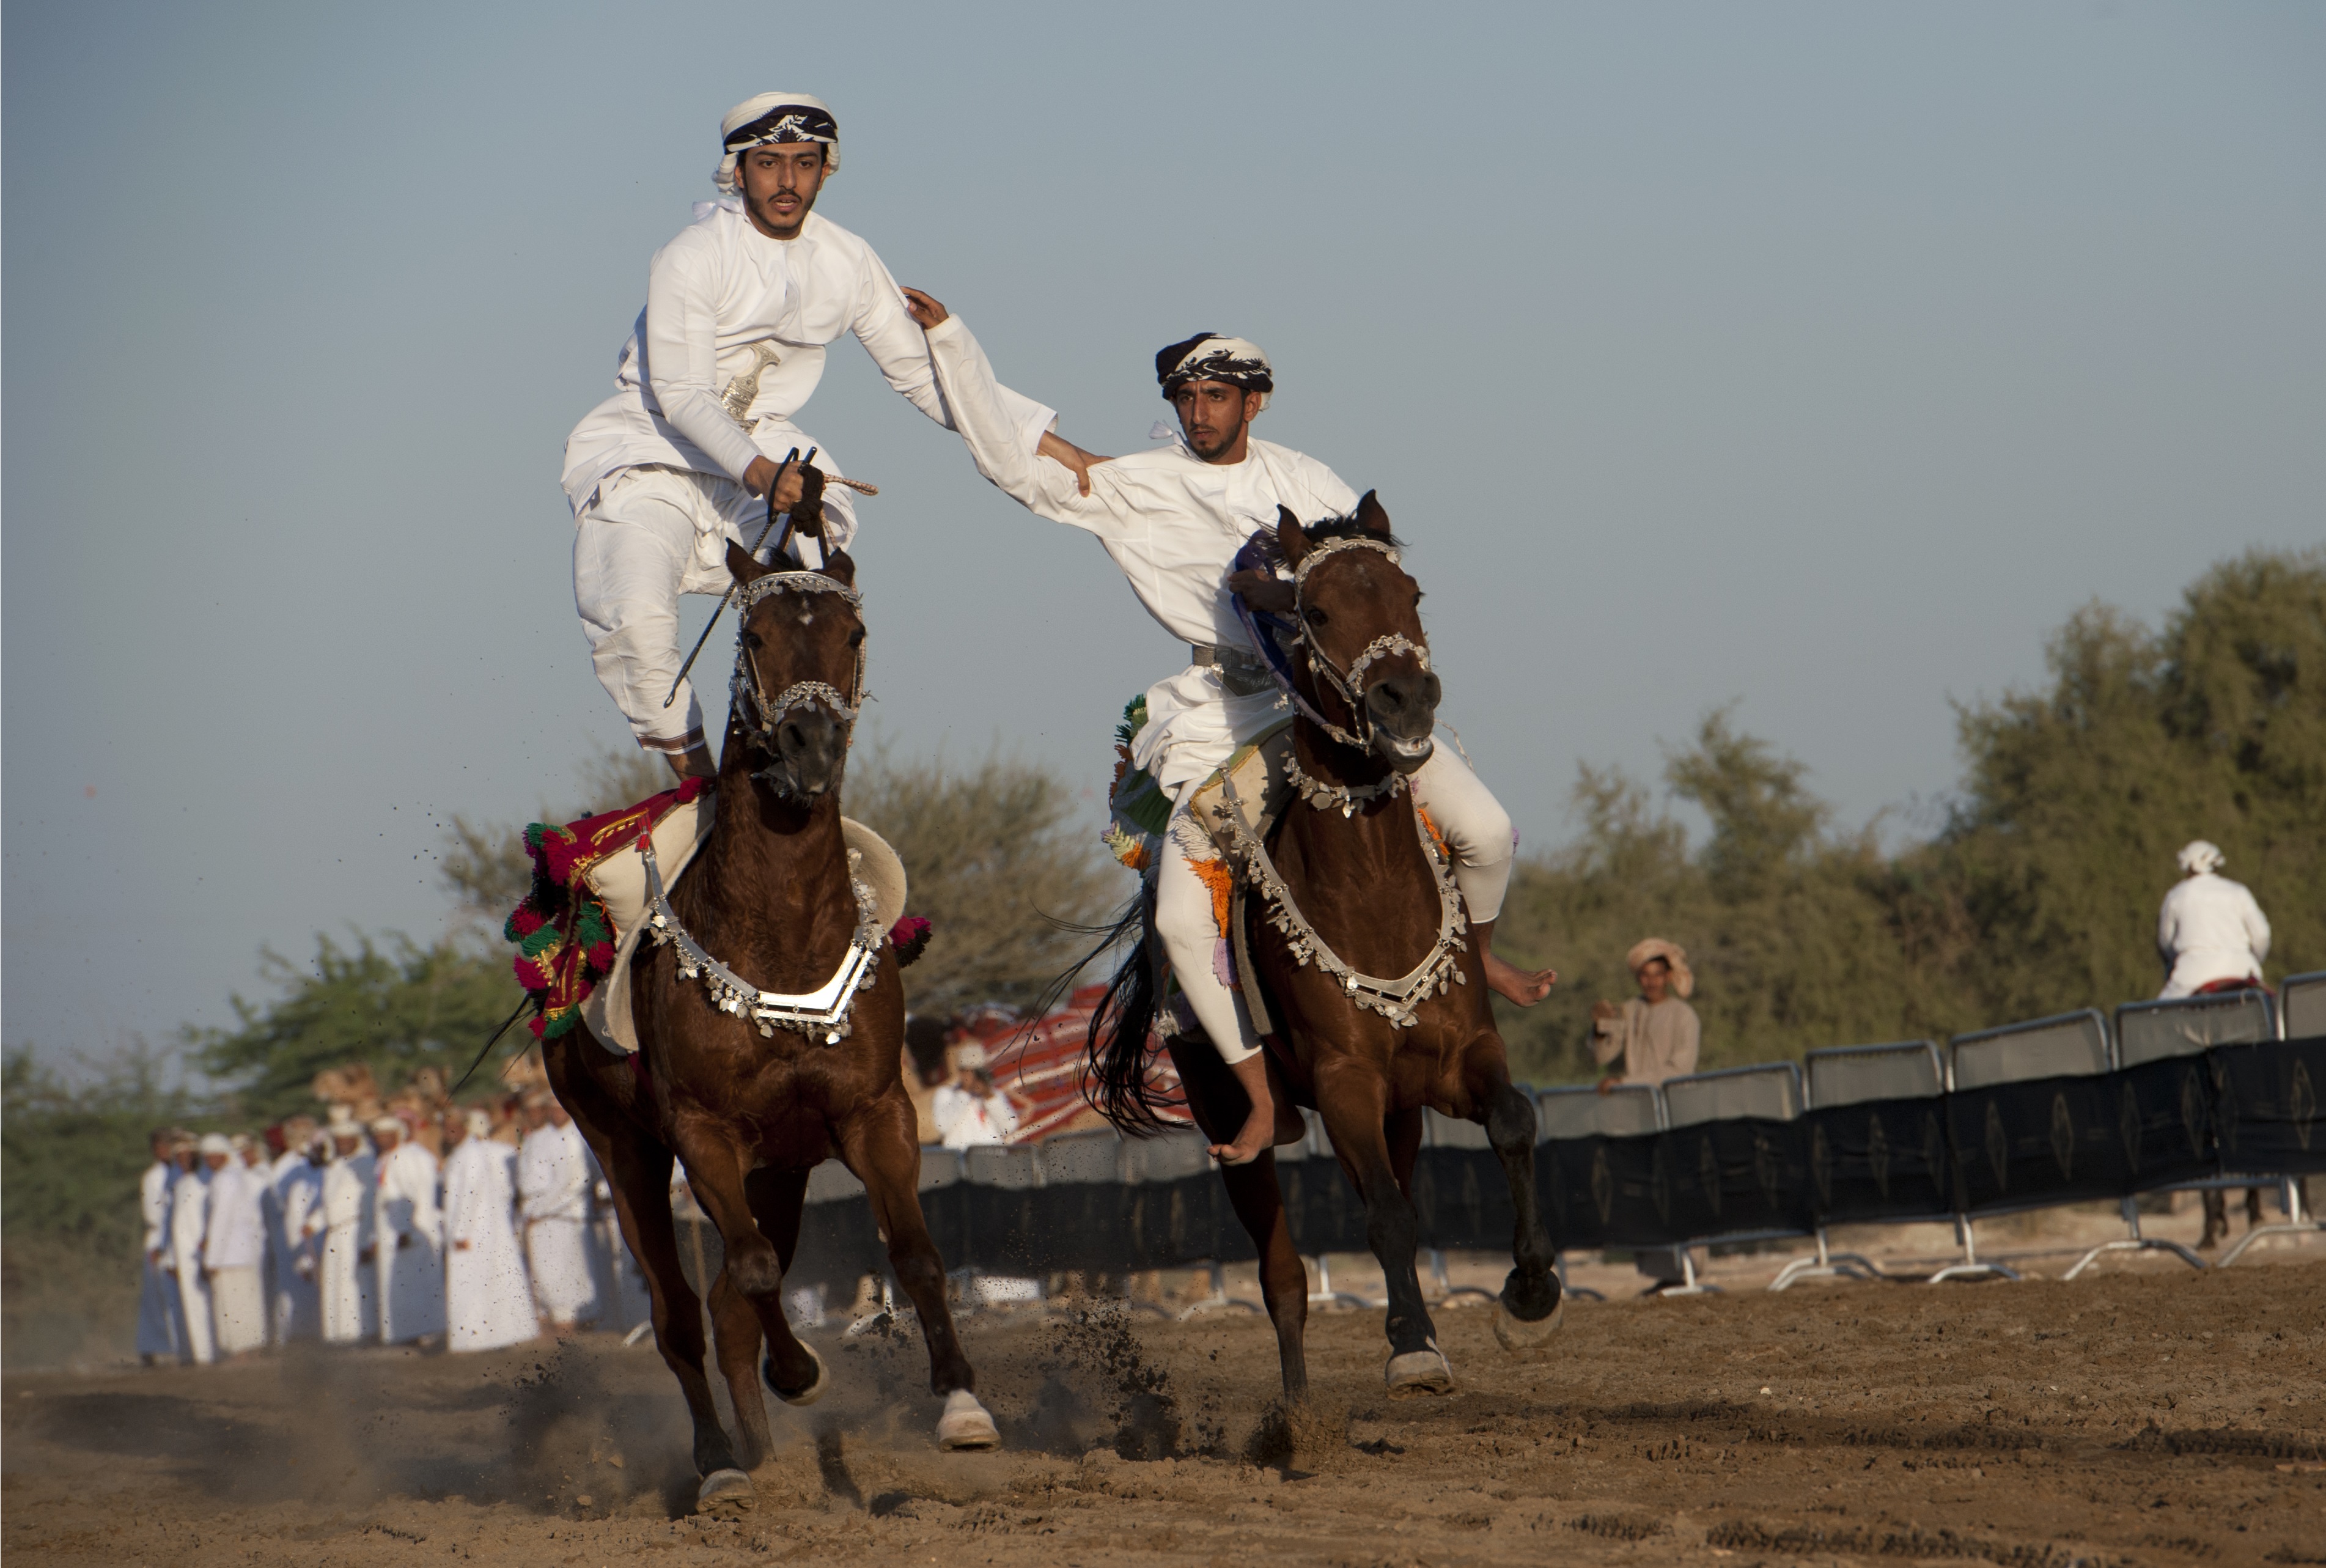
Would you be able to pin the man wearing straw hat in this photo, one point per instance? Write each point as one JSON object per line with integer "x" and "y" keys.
{"x": 1655, "y": 1035}
{"x": 972, "y": 1110}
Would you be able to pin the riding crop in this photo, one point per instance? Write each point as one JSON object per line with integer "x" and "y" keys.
{"x": 729, "y": 597}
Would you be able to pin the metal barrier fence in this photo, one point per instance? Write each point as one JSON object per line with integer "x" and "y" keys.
{"x": 2002, "y": 1121}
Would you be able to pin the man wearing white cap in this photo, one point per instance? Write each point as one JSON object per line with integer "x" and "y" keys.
{"x": 342, "y": 1223}
{"x": 488, "y": 1294}
{"x": 1173, "y": 519}
{"x": 234, "y": 1247}
{"x": 190, "y": 1220}
{"x": 662, "y": 475}
{"x": 553, "y": 1186}
{"x": 157, "y": 1306}
{"x": 297, "y": 1188}
{"x": 971, "y": 1110}
{"x": 2210, "y": 932}
{"x": 408, "y": 1232}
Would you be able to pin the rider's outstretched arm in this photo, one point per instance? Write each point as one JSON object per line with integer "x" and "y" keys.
{"x": 1046, "y": 487}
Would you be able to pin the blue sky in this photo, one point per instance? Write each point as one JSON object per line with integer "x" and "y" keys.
{"x": 1816, "y": 357}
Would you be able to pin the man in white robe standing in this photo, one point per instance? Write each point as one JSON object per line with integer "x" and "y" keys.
{"x": 1173, "y": 519}
{"x": 157, "y": 1306}
{"x": 296, "y": 1188}
{"x": 408, "y": 1230}
{"x": 554, "y": 1187}
{"x": 189, "y": 1220}
{"x": 487, "y": 1294}
{"x": 662, "y": 475}
{"x": 234, "y": 1249}
{"x": 342, "y": 1226}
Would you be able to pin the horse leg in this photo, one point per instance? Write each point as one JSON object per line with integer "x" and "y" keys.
{"x": 1530, "y": 1305}
{"x": 1356, "y": 1117}
{"x": 637, "y": 1171}
{"x": 746, "y": 1303}
{"x": 1220, "y": 1105}
{"x": 880, "y": 1148}
{"x": 796, "y": 1374}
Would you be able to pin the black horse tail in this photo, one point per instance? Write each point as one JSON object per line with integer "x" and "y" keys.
{"x": 1114, "y": 1078}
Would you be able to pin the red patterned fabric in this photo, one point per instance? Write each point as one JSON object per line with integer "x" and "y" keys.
{"x": 1040, "y": 1064}
{"x": 565, "y": 943}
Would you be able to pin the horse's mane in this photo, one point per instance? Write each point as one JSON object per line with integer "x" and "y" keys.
{"x": 1344, "y": 527}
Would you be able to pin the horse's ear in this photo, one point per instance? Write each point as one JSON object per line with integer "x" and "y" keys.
{"x": 1289, "y": 537}
{"x": 1370, "y": 515}
{"x": 840, "y": 567}
{"x": 741, "y": 567}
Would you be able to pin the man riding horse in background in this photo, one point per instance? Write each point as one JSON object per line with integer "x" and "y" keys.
{"x": 1173, "y": 518}
{"x": 730, "y": 346}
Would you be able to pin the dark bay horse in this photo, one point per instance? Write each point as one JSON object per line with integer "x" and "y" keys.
{"x": 752, "y": 1095}
{"x": 1367, "y": 897}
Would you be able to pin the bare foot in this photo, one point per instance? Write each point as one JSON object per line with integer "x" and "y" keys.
{"x": 1513, "y": 984}
{"x": 1257, "y": 1135}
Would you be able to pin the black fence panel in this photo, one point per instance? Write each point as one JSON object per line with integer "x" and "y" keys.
{"x": 1463, "y": 1200}
{"x": 1606, "y": 1192}
{"x": 2268, "y": 1115}
{"x": 2038, "y": 1142}
{"x": 1879, "y": 1160}
{"x": 2166, "y": 1123}
{"x": 1739, "y": 1176}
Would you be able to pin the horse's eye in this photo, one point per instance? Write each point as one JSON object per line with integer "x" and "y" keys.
{"x": 1317, "y": 617}
{"x": 1416, "y": 599}
{"x": 751, "y": 641}
{"x": 856, "y": 638}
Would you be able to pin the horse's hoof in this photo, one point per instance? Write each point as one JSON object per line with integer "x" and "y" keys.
{"x": 1518, "y": 1336}
{"x": 965, "y": 1425}
{"x": 725, "y": 1493}
{"x": 1419, "y": 1374}
{"x": 807, "y": 1396}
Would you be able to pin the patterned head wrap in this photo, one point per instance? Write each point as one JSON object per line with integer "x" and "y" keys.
{"x": 2199, "y": 856}
{"x": 1208, "y": 357}
{"x": 1675, "y": 957}
{"x": 773, "y": 117}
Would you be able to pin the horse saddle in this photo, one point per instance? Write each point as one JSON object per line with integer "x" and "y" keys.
{"x": 1249, "y": 794}
{"x": 620, "y": 880}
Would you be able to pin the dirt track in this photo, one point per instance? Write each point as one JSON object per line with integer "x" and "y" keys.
{"x": 2134, "y": 1418}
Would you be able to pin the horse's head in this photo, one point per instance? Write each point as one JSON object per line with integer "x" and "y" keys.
{"x": 799, "y": 671}
{"x": 1360, "y": 622}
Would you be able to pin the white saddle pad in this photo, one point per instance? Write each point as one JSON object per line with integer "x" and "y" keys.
{"x": 621, "y": 881}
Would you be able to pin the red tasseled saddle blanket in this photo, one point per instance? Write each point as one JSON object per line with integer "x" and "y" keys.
{"x": 564, "y": 940}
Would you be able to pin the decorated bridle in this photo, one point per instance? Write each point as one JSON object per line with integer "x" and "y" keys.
{"x": 771, "y": 711}
{"x": 1347, "y": 685}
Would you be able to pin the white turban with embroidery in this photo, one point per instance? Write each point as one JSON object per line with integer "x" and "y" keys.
{"x": 773, "y": 117}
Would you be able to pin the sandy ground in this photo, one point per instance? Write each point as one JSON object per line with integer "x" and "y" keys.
{"x": 2145, "y": 1413}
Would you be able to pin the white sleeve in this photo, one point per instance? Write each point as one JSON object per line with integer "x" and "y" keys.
{"x": 2256, "y": 928}
{"x": 894, "y": 339}
{"x": 1002, "y": 451}
{"x": 2168, "y": 934}
{"x": 680, "y": 343}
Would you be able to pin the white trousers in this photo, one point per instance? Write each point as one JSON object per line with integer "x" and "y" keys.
{"x": 194, "y": 1314}
{"x": 651, "y": 534}
{"x": 1475, "y": 829}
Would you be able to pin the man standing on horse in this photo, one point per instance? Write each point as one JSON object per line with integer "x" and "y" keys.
{"x": 730, "y": 346}
{"x": 1174, "y": 518}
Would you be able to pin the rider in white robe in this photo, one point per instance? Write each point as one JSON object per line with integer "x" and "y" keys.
{"x": 739, "y": 309}
{"x": 190, "y": 1219}
{"x": 1173, "y": 519}
{"x": 408, "y": 1230}
{"x": 554, "y": 1185}
{"x": 157, "y": 1308}
{"x": 343, "y": 1224}
{"x": 298, "y": 1188}
{"x": 487, "y": 1294}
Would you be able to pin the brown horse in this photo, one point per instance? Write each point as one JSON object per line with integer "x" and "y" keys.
{"x": 1342, "y": 894}
{"x": 745, "y": 1081}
